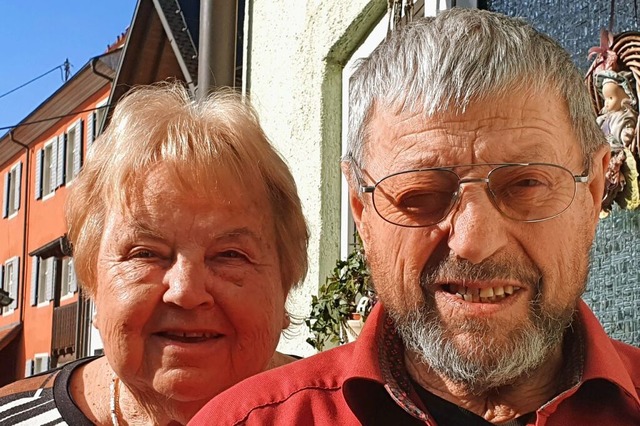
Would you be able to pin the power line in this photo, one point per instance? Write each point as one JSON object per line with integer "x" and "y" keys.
{"x": 52, "y": 118}
{"x": 34, "y": 79}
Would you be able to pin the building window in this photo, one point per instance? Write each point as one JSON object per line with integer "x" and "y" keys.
{"x": 42, "y": 280}
{"x": 71, "y": 145}
{"x": 40, "y": 363}
{"x": 68, "y": 282}
{"x": 11, "y": 193}
{"x": 9, "y": 283}
{"x": 94, "y": 121}
{"x": 46, "y": 164}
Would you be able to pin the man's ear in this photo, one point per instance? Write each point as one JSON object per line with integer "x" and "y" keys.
{"x": 600, "y": 164}
{"x": 355, "y": 199}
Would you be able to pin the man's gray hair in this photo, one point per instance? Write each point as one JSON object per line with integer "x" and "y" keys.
{"x": 462, "y": 56}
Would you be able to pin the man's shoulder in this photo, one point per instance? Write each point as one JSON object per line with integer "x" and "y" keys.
{"x": 293, "y": 391}
{"x": 630, "y": 356}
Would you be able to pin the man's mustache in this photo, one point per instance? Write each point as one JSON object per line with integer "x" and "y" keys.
{"x": 454, "y": 269}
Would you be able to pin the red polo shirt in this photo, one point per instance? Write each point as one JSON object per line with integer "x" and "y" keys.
{"x": 366, "y": 383}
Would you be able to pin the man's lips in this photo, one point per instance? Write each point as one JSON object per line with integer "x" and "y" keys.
{"x": 483, "y": 294}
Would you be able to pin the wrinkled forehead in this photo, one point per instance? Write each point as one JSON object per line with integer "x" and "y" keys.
{"x": 221, "y": 180}
{"x": 509, "y": 127}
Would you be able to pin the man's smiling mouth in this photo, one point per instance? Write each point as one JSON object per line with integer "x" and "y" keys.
{"x": 481, "y": 295}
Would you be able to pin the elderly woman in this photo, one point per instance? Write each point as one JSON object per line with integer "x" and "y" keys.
{"x": 188, "y": 234}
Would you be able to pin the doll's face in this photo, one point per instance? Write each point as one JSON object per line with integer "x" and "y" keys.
{"x": 613, "y": 97}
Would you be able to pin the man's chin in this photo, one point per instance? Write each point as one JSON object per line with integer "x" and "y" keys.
{"x": 479, "y": 355}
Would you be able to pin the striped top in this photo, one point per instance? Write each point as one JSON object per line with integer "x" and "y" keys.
{"x": 42, "y": 400}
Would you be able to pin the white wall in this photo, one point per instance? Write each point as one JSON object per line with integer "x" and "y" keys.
{"x": 294, "y": 60}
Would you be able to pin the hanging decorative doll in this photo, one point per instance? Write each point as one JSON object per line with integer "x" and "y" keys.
{"x": 613, "y": 79}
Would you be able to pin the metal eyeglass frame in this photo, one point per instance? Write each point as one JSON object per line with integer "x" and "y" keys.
{"x": 582, "y": 178}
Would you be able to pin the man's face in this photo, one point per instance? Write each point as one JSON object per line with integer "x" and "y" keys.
{"x": 420, "y": 273}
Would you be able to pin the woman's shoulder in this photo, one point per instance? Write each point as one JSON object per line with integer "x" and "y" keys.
{"x": 30, "y": 384}
{"x": 36, "y": 395}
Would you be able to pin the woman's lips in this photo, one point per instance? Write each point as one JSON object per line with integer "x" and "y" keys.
{"x": 189, "y": 336}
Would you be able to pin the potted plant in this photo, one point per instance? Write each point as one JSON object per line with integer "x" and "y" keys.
{"x": 347, "y": 295}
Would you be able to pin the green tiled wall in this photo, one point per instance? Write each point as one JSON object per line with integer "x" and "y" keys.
{"x": 613, "y": 290}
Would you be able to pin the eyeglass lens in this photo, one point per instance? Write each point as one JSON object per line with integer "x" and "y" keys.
{"x": 520, "y": 192}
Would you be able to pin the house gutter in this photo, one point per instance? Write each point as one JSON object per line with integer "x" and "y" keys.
{"x": 94, "y": 61}
{"x": 21, "y": 289}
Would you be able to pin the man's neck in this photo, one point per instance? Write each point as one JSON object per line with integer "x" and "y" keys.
{"x": 496, "y": 405}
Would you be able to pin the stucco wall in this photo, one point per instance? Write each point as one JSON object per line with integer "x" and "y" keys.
{"x": 294, "y": 58}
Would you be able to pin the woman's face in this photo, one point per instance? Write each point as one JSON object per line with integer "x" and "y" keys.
{"x": 189, "y": 295}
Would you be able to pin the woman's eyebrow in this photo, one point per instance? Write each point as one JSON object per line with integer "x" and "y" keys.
{"x": 236, "y": 233}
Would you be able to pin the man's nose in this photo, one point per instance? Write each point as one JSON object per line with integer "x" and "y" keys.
{"x": 188, "y": 284}
{"x": 477, "y": 228}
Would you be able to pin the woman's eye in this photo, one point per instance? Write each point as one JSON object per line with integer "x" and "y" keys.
{"x": 142, "y": 254}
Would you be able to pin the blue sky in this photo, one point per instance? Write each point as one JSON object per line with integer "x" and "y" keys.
{"x": 39, "y": 35}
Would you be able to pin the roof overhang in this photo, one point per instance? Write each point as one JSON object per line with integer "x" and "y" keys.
{"x": 8, "y": 333}
{"x": 93, "y": 76}
{"x": 161, "y": 45}
{"x": 60, "y": 247}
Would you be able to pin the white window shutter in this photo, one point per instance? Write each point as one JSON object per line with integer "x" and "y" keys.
{"x": 39, "y": 174}
{"x": 14, "y": 284}
{"x": 77, "y": 149}
{"x": 90, "y": 130}
{"x": 34, "y": 280}
{"x": 46, "y": 363}
{"x": 50, "y": 278}
{"x": 16, "y": 199}
{"x": 53, "y": 165}
{"x": 73, "y": 285}
{"x": 5, "y": 196}
{"x": 28, "y": 368}
{"x": 60, "y": 153}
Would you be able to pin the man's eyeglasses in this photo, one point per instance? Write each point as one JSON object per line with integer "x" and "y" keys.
{"x": 526, "y": 192}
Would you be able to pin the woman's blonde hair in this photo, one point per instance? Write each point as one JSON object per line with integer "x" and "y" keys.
{"x": 204, "y": 143}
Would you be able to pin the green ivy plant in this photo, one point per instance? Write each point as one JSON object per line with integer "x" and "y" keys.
{"x": 347, "y": 288}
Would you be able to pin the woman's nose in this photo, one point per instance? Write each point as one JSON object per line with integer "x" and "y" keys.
{"x": 188, "y": 284}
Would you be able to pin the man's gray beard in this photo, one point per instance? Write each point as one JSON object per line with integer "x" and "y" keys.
{"x": 484, "y": 363}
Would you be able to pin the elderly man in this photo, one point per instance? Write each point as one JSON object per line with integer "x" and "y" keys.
{"x": 476, "y": 174}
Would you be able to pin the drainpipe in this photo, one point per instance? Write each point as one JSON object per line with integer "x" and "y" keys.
{"x": 217, "y": 45}
{"x": 27, "y": 205}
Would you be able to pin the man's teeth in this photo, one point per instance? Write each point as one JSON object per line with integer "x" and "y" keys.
{"x": 483, "y": 295}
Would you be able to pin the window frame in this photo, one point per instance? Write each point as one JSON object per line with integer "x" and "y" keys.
{"x": 48, "y": 179}
{"x": 12, "y": 191}
{"x": 72, "y": 156}
{"x": 67, "y": 278}
{"x": 11, "y": 283}
{"x": 45, "y": 269}
{"x": 41, "y": 360}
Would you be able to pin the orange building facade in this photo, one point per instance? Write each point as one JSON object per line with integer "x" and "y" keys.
{"x": 47, "y": 322}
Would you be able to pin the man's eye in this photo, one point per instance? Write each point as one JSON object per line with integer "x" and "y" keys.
{"x": 232, "y": 254}
{"x": 528, "y": 183}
